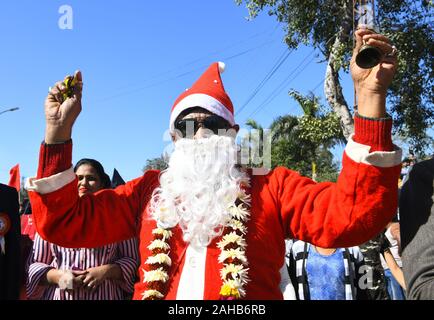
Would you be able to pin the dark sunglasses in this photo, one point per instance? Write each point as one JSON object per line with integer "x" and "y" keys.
{"x": 190, "y": 126}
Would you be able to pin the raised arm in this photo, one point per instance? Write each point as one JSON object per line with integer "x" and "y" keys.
{"x": 61, "y": 217}
{"x": 61, "y": 113}
{"x": 364, "y": 199}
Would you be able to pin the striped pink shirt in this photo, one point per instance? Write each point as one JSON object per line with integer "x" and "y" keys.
{"x": 46, "y": 256}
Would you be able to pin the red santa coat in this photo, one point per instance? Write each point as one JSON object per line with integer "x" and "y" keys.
{"x": 284, "y": 205}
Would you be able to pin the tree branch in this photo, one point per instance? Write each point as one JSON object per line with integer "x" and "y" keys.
{"x": 332, "y": 86}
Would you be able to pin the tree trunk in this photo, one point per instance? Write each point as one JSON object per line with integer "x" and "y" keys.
{"x": 332, "y": 86}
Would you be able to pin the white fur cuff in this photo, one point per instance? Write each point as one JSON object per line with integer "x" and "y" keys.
{"x": 360, "y": 153}
{"x": 52, "y": 183}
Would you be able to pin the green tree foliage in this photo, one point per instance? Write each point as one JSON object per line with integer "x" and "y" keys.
{"x": 296, "y": 146}
{"x": 160, "y": 163}
{"x": 317, "y": 125}
{"x": 411, "y": 26}
{"x": 328, "y": 25}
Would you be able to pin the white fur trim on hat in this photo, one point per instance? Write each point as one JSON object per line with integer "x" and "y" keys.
{"x": 204, "y": 101}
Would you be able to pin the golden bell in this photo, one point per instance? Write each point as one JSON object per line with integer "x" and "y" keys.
{"x": 368, "y": 56}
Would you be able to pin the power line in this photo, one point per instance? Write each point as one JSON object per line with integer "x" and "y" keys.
{"x": 294, "y": 74}
{"x": 282, "y": 58}
{"x": 319, "y": 83}
{"x": 181, "y": 74}
{"x": 191, "y": 62}
{"x": 246, "y": 51}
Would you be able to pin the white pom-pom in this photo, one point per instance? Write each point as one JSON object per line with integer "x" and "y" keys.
{"x": 222, "y": 67}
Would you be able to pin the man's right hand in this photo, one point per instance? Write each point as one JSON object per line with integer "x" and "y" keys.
{"x": 60, "y": 115}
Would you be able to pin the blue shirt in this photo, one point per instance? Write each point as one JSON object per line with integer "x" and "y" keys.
{"x": 326, "y": 275}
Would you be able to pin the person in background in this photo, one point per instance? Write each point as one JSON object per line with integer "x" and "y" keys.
{"x": 372, "y": 251}
{"x": 10, "y": 243}
{"x": 104, "y": 273}
{"x": 28, "y": 232}
{"x": 392, "y": 263}
{"x": 327, "y": 274}
{"x": 286, "y": 285}
{"x": 416, "y": 212}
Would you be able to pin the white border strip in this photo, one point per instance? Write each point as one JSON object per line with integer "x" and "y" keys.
{"x": 204, "y": 101}
{"x": 51, "y": 183}
{"x": 360, "y": 153}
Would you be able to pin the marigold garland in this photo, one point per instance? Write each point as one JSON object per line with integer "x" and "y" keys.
{"x": 234, "y": 274}
{"x": 159, "y": 263}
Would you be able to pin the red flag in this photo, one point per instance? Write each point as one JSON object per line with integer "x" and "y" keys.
{"x": 14, "y": 180}
{"x": 27, "y": 226}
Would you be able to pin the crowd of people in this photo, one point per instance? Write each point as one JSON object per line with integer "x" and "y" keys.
{"x": 208, "y": 227}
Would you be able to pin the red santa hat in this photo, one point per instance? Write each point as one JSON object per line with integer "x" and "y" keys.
{"x": 207, "y": 92}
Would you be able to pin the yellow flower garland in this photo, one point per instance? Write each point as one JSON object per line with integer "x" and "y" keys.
{"x": 234, "y": 273}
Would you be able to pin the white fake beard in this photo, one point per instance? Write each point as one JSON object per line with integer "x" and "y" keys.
{"x": 200, "y": 184}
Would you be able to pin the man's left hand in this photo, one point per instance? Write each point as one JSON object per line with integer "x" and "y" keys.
{"x": 371, "y": 84}
{"x": 378, "y": 78}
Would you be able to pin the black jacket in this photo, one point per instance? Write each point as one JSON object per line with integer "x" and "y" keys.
{"x": 416, "y": 211}
{"x": 10, "y": 268}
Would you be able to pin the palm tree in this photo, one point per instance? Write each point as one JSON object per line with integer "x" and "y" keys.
{"x": 303, "y": 143}
{"x": 285, "y": 127}
{"x": 321, "y": 128}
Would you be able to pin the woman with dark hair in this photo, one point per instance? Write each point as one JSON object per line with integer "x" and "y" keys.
{"x": 91, "y": 176}
{"x": 104, "y": 273}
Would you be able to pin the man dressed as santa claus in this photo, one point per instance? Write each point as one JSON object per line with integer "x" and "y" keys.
{"x": 209, "y": 229}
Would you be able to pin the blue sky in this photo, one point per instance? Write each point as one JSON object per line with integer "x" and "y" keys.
{"x": 136, "y": 58}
